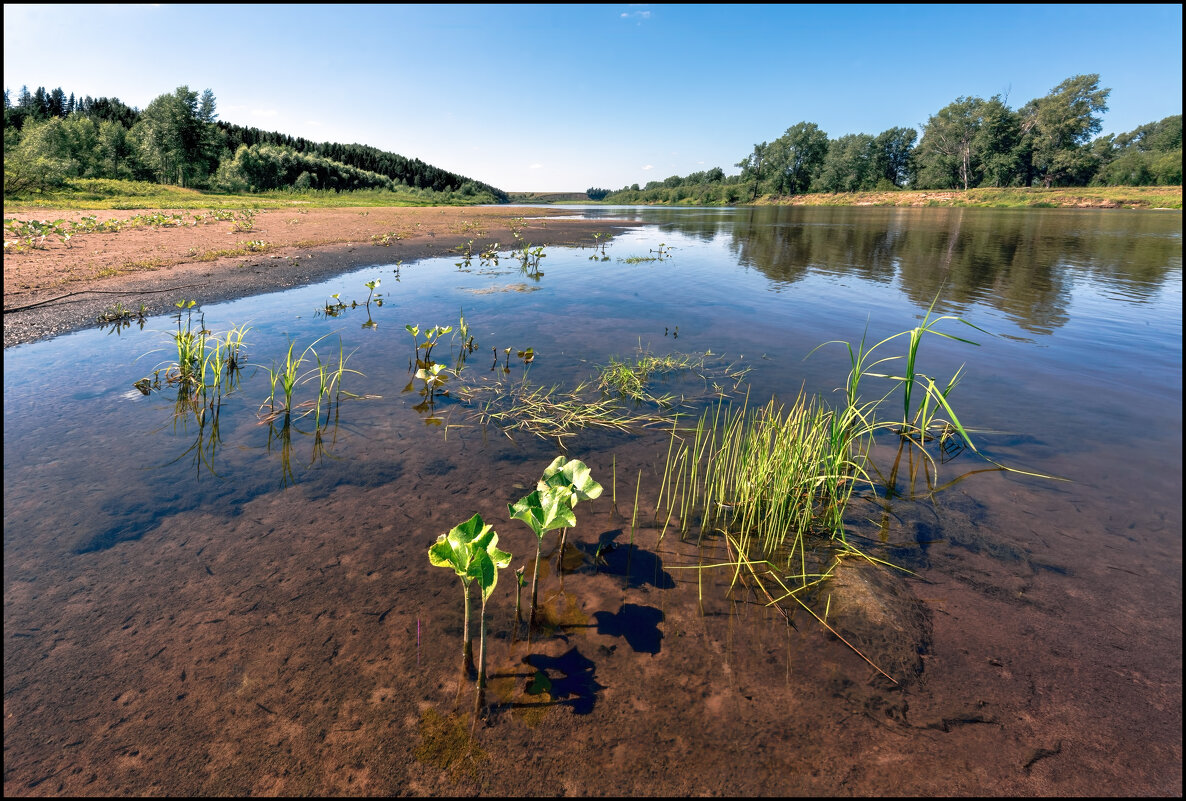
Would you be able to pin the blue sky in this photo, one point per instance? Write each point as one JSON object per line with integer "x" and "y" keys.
{"x": 564, "y": 97}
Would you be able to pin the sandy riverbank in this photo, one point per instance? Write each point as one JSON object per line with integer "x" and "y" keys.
{"x": 58, "y": 287}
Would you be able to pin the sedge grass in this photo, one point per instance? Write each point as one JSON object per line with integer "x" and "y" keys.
{"x": 771, "y": 475}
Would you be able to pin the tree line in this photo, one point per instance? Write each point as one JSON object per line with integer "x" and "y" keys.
{"x": 971, "y": 142}
{"x": 178, "y": 139}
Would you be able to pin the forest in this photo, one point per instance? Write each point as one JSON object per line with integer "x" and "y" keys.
{"x": 970, "y": 143}
{"x": 177, "y": 139}
{"x": 1051, "y": 141}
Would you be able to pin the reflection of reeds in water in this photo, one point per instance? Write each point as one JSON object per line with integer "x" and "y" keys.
{"x": 281, "y": 429}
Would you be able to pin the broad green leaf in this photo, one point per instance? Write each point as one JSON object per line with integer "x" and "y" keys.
{"x": 486, "y": 559}
{"x": 544, "y": 511}
{"x": 455, "y": 548}
{"x": 573, "y": 475}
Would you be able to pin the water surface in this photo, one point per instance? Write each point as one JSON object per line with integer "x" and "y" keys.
{"x": 194, "y": 613}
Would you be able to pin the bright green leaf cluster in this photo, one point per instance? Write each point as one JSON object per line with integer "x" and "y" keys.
{"x": 471, "y": 549}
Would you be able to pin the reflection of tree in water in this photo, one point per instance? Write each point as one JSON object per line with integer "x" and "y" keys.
{"x": 1022, "y": 262}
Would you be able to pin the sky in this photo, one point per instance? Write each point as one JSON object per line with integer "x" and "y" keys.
{"x": 555, "y": 98}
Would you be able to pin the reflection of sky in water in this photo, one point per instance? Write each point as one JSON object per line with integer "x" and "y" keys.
{"x": 1086, "y": 347}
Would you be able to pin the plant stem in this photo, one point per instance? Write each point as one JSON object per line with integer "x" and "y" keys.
{"x": 534, "y": 579}
{"x": 467, "y": 644}
{"x": 480, "y": 703}
{"x": 560, "y": 557}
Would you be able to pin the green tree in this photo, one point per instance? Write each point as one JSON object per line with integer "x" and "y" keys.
{"x": 1059, "y": 128}
{"x": 997, "y": 145}
{"x": 947, "y": 156}
{"x": 37, "y": 157}
{"x": 799, "y": 158}
{"x": 893, "y": 156}
{"x": 116, "y": 152}
{"x": 848, "y": 165}
{"x": 173, "y": 137}
{"x": 753, "y": 167}
{"x": 1150, "y": 155}
{"x": 56, "y": 103}
{"x": 1153, "y": 137}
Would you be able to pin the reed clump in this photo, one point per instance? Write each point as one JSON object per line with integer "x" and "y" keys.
{"x": 769, "y": 477}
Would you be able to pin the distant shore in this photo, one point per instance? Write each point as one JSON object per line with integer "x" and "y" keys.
{"x": 1076, "y": 197}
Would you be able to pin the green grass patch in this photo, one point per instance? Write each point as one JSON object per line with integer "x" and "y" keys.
{"x": 103, "y": 193}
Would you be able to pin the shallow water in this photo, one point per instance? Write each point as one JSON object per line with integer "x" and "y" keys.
{"x": 190, "y": 613}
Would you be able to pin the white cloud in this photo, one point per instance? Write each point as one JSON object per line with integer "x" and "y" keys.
{"x": 649, "y": 167}
{"x": 636, "y": 14}
{"x": 536, "y": 167}
{"x": 265, "y": 112}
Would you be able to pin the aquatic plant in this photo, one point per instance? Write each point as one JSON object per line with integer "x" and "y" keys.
{"x": 119, "y": 317}
{"x": 918, "y": 425}
{"x": 471, "y": 550}
{"x": 520, "y": 581}
{"x": 629, "y": 379}
{"x": 189, "y": 343}
{"x": 600, "y": 240}
{"x": 372, "y": 286}
{"x": 529, "y": 260}
{"x": 542, "y": 511}
{"x": 430, "y": 340}
{"x": 545, "y": 412}
{"x": 336, "y": 307}
{"x": 772, "y": 475}
{"x": 287, "y": 376}
{"x": 575, "y": 478}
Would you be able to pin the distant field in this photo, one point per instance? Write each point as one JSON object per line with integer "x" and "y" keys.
{"x": 1103, "y": 197}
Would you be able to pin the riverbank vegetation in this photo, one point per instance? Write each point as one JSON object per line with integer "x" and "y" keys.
{"x": 971, "y": 143}
{"x": 106, "y": 193}
{"x": 87, "y": 153}
{"x": 51, "y": 139}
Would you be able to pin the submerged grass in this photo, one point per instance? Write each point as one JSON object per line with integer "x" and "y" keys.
{"x": 547, "y": 412}
{"x": 629, "y": 379}
{"x": 556, "y": 413}
{"x": 770, "y": 477}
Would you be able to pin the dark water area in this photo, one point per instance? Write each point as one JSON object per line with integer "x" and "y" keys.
{"x": 216, "y": 605}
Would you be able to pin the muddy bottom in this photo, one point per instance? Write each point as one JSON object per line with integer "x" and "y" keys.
{"x": 305, "y": 646}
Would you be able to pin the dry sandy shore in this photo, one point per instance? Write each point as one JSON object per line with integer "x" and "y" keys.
{"x": 59, "y": 287}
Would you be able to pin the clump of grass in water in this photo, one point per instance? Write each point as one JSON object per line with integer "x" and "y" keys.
{"x": 776, "y": 482}
{"x": 629, "y": 379}
{"x": 546, "y": 412}
{"x": 287, "y": 377}
{"x": 772, "y": 475}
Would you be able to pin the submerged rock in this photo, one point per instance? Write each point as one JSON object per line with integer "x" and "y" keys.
{"x": 874, "y": 608}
